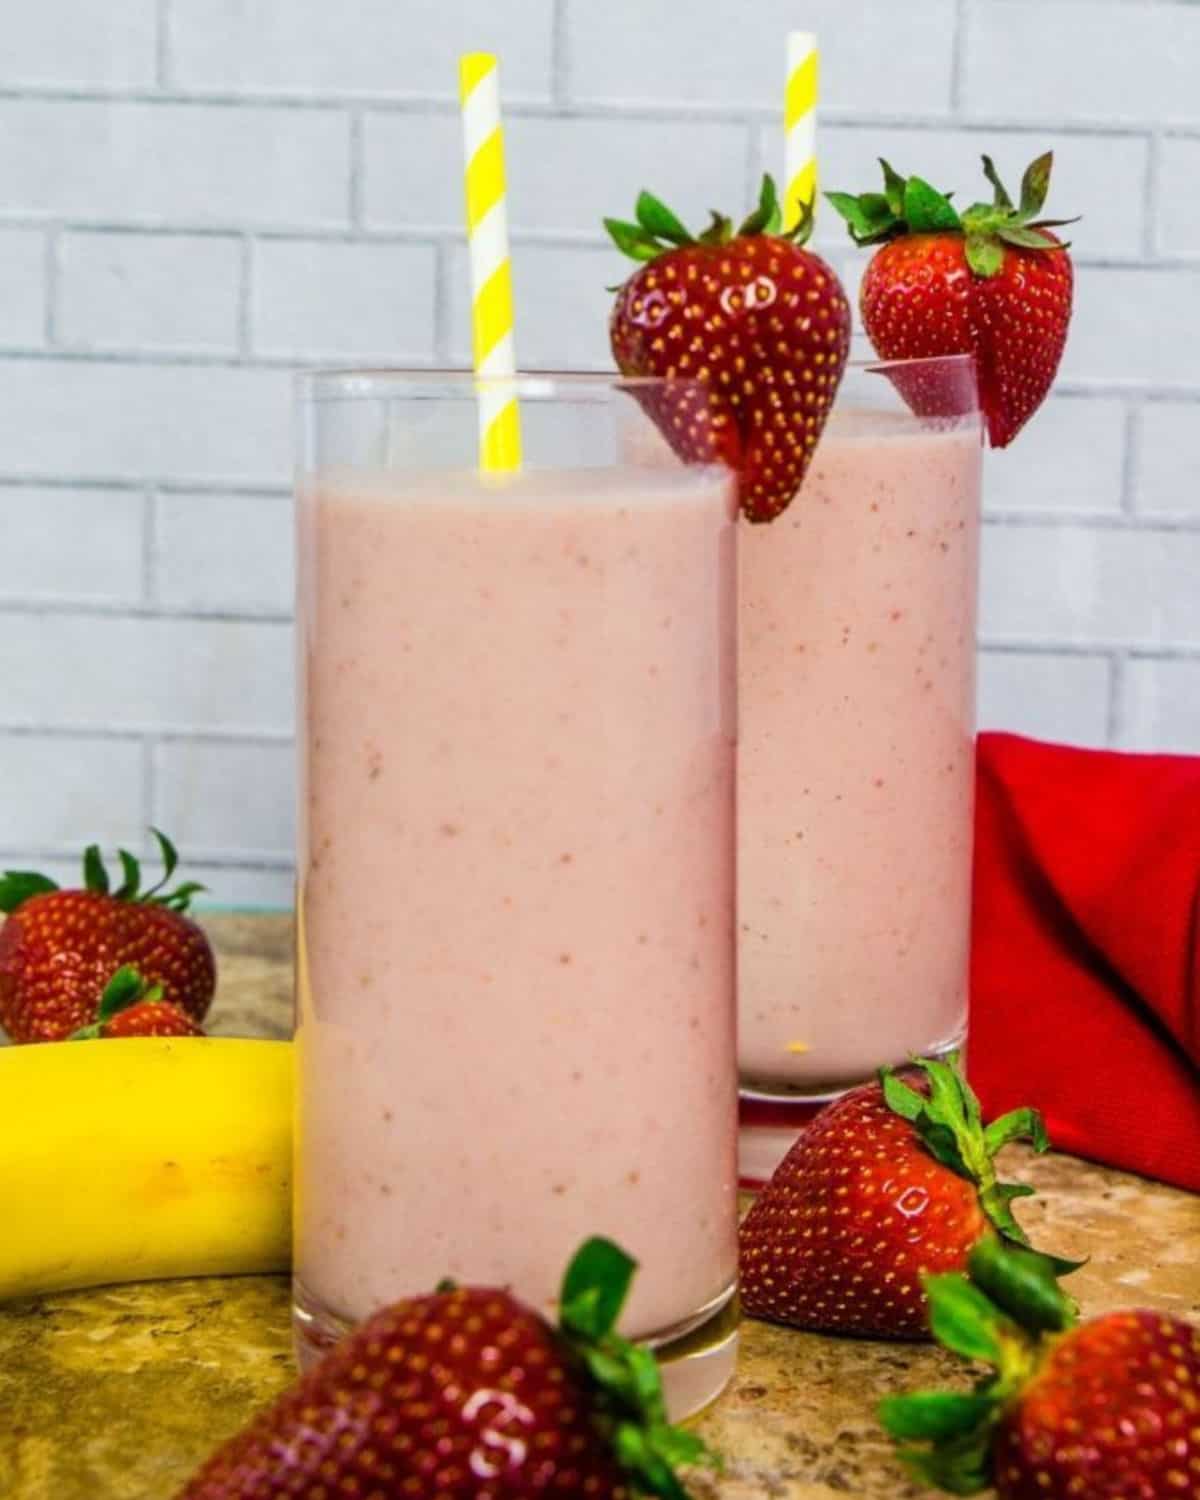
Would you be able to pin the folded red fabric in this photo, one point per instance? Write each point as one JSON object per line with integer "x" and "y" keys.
{"x": 1085, "y": 970}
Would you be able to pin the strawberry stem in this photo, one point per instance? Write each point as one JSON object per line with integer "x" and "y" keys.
{"x": 593, "y": 1292}
{"x": 949, "y": 1124}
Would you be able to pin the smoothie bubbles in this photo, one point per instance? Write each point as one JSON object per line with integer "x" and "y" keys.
{"x": 859, "y": 487}
{"x": 516, "y": 994}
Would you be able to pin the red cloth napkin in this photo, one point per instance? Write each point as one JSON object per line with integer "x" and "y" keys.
{"x": 1085, "y": 969}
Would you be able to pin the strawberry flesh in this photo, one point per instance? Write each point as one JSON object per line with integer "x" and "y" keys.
{"x": 760, "y": 324}
{"x": 1113, "y": 1411}
{"x": 151, "y": 1018}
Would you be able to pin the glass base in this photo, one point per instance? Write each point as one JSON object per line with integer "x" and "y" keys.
{"x": 769, "y": 1123}
{"x": 697, "y": 1356}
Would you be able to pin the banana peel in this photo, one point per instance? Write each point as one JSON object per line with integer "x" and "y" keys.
{"x": 143, "y": 1158}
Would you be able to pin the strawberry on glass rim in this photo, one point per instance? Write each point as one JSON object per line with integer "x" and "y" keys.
{"x": 754, "y": 327}
{"x": 994, "y": 281}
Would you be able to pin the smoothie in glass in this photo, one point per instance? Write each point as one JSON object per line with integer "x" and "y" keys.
{"x": 516, "y": 883}
{"x": 856, "y": 753}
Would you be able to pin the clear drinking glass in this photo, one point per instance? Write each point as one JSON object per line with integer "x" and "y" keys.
{"x": 856, "y": 756}
{"x": 515, "y": 1009}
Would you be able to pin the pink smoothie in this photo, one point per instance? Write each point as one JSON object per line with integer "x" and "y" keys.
{"x": 856, "y": 756}
{"x": 516, "y": 886}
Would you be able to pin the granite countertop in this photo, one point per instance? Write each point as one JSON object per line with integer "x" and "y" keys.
{"x": 116, "y": 1394}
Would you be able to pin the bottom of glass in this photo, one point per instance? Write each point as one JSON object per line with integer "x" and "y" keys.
{"x": 697, "y": 1355}
{"x": 769, "y": 1122}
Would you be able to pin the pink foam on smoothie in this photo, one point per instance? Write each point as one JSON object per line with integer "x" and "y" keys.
{"x": 516, "y": 886}
{"x": 856, "y": 755}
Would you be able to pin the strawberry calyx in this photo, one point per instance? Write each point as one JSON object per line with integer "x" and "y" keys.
{"x": 909, "y": 205}
{"x": 125, "y": 989}
{"x": 17, "y": 886}
{"x": 658, "y": 230}
{"x": 1006, "y": 1315}
{"x": 949, "y": 1123}
{"x": 593, "y": 1292}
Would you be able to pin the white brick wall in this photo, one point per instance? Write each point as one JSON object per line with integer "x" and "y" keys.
{"x": 198, "y": 195}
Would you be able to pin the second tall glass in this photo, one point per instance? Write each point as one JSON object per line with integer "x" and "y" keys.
{"x": 856, "y": 743}
{"x": 516, "y": 995}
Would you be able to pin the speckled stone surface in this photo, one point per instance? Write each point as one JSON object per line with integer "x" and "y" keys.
{"x": 117, "y": 1394}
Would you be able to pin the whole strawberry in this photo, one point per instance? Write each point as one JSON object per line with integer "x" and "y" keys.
{"x": 888, "y": 1183}
{"x": 59, "y": 948}
{"x": 994, "y": 282}
{"x": 465, "y": 1394}
{"x": 131, "y": 1007}
{"x": 760, "y": 323}
{"x": 1103, "y": 1411}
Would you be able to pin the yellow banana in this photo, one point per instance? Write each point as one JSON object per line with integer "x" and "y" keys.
{"x": 141, "y": 1158}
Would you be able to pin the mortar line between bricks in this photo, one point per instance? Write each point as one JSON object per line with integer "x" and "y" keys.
{"x": 441, "y": 303}
{"x": 103, "y": 610}
{"x": 433, "y": 234}
{"x": 150, "y": 548}
{"x": 52, "y": 250}
{"x": 149, "y": 780}
{"x": 162, "y": 44}
{"x": 1131, "y": 460}
{"x": 245, "y": 307}
{"x": 1150, "y": 192}
{"x": 1086, "y": 520}
{"x": 166, "y": 486}
{"x": 1114, "y": 719}
{"x": 560, "y": 56}
{"x": 356, "y": 203}
{"x": 599, "y": 108}
{"x": 250, "y": 859}
{"x": 137, "y": 734}
{"x": 1175, "y": 651}
{"x": 958, "y": 56}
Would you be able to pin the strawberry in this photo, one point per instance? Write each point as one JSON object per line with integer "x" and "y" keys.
{"x": 465, "y": 1394}
{"x": 885, "y": 1184}
{"x": 1106, "y": 1410}
{"x": 761, "y": 322}
{"x": 994, "y": 282}
{"x": 131, "y": 1007}
{"x": 58, "y": 949}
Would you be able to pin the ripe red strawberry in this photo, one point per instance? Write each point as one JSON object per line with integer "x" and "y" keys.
{"x": 467, "y": 1395}
{"x": 994, "y": 282}
{"x": 58, "y": 949}
{"x": 131, "y": 1007}
{"x": 1104, "y": 1411}
{"x": 763, "y": 323}
{"x": 884, "y": 1185}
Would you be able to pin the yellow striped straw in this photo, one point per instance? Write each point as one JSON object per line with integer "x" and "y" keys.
{"x": 800, "y": 125}
{"x": 491, "y": 263}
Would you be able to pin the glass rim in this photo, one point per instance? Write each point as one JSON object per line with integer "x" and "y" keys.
{"x": 382, "y": 382}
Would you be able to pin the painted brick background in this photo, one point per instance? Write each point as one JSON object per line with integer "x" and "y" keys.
{"x": 198, "y": 195}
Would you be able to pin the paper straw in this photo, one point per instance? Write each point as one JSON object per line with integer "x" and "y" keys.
{"x": 800, "y": 125}
{"x": 491, "y": 263}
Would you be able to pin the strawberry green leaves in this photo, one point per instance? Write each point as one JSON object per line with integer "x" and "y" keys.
{"x": 909, "y": 205}
{"x": 997, "y": 1318}
{"x": 657, "y": 229}
{"x": 124, "y": 989}
{"x": 19, "y": 885}
{"x": 594, "y": 1289}
{"x": 949, "y": 1123}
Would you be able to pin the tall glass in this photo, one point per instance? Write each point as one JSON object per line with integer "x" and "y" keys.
{"x": 515, "y": 1011}
{"x": 856, "y": 684}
